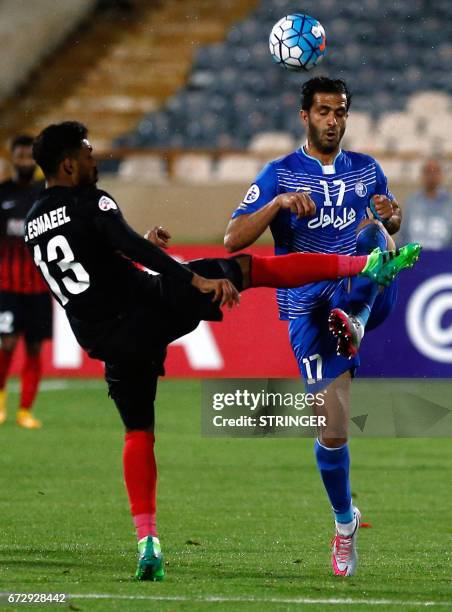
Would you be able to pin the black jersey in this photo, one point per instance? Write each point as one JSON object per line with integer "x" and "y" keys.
{"x": 85, "y": 251}
{"x": 18, "y": 274}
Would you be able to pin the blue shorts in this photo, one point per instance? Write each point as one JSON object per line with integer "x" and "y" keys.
{"x": 315, "y": 347}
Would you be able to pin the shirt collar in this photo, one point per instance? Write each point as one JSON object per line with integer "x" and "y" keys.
{"x": 325, "y": 168}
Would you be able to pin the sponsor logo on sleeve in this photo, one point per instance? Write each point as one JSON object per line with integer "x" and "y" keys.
{"x": 252, "y": 194}
{"x": 106, "y": 203}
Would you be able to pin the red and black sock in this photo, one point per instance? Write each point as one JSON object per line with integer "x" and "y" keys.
{"x": 140, "y": 475}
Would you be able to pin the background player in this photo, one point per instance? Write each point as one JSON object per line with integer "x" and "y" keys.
{"x": 25, "y": 303}
{"x": 336, "y": 188}
{"x": 126, "y": 317}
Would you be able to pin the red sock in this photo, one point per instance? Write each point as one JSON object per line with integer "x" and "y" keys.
{"x": 5, "y": 362}
{"x": 140, "y": 475}
{"x": 30, "y": 378}
{"x": 301, "y": 268}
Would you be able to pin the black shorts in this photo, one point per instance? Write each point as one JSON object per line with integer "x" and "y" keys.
{"x": 27, "y": 314}
{"x": 133, "y": 344}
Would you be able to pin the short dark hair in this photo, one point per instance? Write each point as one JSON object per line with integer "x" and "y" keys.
{"x": 22, "y": 140}
{"x": 323, "y": 84}
{"x": 56, "y": 142}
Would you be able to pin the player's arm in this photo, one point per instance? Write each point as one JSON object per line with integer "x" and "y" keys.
{"x": 246, "y": 229}
{"x": 389, "y": 213}
{"x": 385, "y": 205}
{"x": 259, "y": 207}
{"x": 124, "y": 239}
{"x": 121, "y": 237}
{"x": 395, "y": 221}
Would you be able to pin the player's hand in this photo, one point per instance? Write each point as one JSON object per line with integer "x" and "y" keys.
{"x": 223, "y": 290}
{"x": 298, "y": 202}
{"x": 383, "y": 206}
{"x": 158, "y": 236}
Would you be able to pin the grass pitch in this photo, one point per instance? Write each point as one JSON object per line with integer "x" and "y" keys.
{"x": 244, "y": 523}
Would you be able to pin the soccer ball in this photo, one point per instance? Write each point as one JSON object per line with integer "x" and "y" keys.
{"x": 297, "y": 42}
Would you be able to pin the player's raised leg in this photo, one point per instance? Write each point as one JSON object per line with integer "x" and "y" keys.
{"x": 133, "y": 387}
{"x": 349, "y": 321}
{"x": 296, "y": 269}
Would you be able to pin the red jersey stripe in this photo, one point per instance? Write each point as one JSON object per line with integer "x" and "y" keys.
{"x": 18, "y": 272}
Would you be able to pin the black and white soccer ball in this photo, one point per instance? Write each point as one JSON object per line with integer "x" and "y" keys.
{"x": 297, "y": 42}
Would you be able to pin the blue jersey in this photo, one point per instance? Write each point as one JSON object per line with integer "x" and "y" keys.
{"x": 341, "y": 192}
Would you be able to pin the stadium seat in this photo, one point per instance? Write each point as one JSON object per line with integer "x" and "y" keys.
{"x": 193, "y": 168}
{"x": 358, "y": 134}
{"x": 431, "y": 102}
{"x": 411, "y": 171}
{"x": 409, "y": 142}
{"x": 439, "y": 124}
{"x": 439, "y": 144}
{"x": 236, "y": 168}
{"x": 397, "y": 132}
{"x": 394, "y": 169}
{"x": 395, "y": 84}
{"x": 143, "y": 169}
{"x": 273, "y": 142}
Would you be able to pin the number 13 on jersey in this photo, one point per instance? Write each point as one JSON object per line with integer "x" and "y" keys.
{"x": 60, "y": 253}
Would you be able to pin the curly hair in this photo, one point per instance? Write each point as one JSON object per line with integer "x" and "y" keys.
{"x": 56, "y": 142}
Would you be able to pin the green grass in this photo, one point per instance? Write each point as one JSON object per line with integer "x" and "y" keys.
{"x": 255, "y": 509}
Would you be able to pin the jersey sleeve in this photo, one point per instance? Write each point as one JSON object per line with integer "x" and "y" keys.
{"x": 261, "y": 192}
{"x": 111, "y": 224}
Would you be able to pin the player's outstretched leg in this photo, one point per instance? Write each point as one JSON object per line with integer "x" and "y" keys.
{"x": 296, "y": 269}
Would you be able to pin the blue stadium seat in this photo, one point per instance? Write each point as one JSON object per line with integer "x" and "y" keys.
{"x": 386, "y": 50}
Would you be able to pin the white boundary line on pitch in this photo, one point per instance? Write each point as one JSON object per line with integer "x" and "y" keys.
{"x": 64, "y": 384}
{"x": 293, "y": 600}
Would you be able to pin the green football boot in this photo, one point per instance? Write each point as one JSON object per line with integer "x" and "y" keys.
{"x": 150, "y": 561}
{"x": 383, "y": 266}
